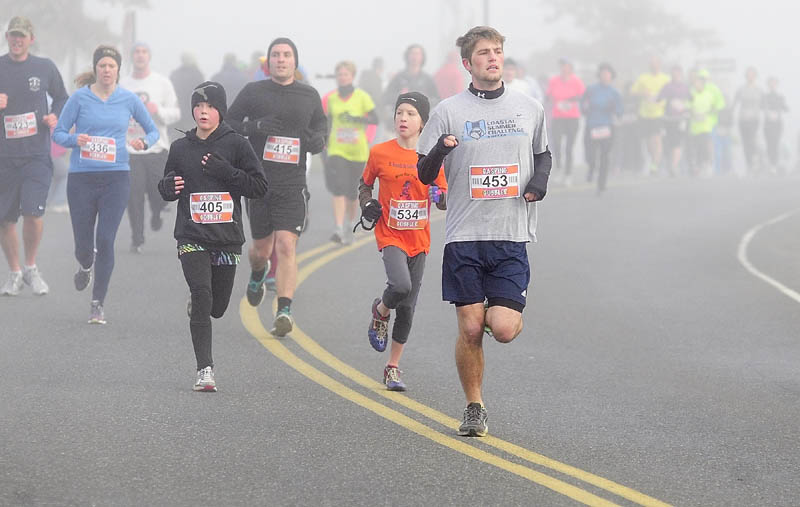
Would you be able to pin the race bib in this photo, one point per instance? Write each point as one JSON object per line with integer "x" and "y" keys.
{"x": 600, "y": 132}
{"x": 20, "y": 125}
{"x": 345, "y": 135}
{"x": 565, "y": 105}
{"x": 494, "y": 181}
{"x": 284, "y": 150}
{"x": 677, "y": 105}
{"x": 211, "y": 207}
{"x": 408, "y": 215}
{"x": 102, "y": 149}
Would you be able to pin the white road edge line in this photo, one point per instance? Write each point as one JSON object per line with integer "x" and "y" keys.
{"x": 742, "y": 255}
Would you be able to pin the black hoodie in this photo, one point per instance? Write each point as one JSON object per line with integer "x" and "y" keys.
{"x": 242, "y": 176}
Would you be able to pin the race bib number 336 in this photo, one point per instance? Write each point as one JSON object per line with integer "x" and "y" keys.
{"x": 494, "y": 181}
{"x": 285, "y": 150}
{"x": 20, "y": 125}
{"x": 408, "y": 215}
{"x": 211, "y": 207}
{"x": 102, "y": 149}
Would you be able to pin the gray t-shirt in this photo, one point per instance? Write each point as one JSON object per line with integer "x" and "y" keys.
{"x": 488, "y": 171}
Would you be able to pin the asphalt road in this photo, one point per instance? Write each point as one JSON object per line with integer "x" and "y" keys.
{"x": 653, "y": 368}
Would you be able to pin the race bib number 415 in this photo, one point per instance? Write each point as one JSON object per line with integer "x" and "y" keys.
{"x": 102, "y": 149}
{"x": 408, "y": 215}
{"x": 284, "y": 150}
{"x": 211, "y": 207}
{"x": 494, "y": 181}
{"x": 20, "y": 125}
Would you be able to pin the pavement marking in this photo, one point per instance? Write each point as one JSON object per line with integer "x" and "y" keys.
{"x": 321, "y": 354}
{"x": 252, "y": 322}
{"x": 745, "y": 261}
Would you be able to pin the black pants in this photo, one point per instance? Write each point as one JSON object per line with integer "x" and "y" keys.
{"x": 772, "y": 134}
{"x": 598, "y": 153}
{"x": 564, "y": 132}
{"x": 748, "y": 130}
{"x": 146, "y": 171}
{"x": 211, "y": 288}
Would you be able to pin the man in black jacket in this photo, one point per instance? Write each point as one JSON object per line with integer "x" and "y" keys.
{"x": 284, "y": 121}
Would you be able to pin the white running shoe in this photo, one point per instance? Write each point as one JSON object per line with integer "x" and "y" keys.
{"x": 13, "y": 285}
{"x": 96, "y": 313}
{"x": 205, "y": 380}
{"x": 33, "y": 277}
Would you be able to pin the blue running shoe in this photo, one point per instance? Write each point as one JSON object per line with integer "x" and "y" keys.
{"x": 378, "y": 330}
{"x": 391, "y": 377}
{"x": 255, "y": 289}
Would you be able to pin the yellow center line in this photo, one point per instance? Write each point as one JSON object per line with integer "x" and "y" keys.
{"x": 252, "y": 322}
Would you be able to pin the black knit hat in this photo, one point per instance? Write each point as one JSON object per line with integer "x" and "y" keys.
{"x": 214, "y": 94}
{"x": 284, "y": 40}
{"x": 103, "y": 51}
{"x": 418, "y": 100}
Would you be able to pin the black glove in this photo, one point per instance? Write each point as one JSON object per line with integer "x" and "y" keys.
{"x": 530, "y": 188}
{"x": 441, "y": 146}
{"x": 166, "y": 187}
{"x": 217, "y": 167}
{"x": 313, "y": 141}
{"x": 372, "y": 210}
{"x": 264, "y": 126}
{"x": 349, "y": 118}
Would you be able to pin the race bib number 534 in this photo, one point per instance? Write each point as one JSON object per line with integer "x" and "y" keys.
{"x": 494, "y": 181}
{"x": 408, "y": 215}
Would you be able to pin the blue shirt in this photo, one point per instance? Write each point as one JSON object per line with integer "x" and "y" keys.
{"x": 600, "y": 103}
{"x": 108, "y": 118}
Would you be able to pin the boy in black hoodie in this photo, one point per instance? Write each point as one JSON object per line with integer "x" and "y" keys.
{"x": 208, "y": 171}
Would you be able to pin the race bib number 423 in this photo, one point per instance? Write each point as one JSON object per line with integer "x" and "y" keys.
{"x": 211, "y": 207}
{"x": 20, "y": 125}
{"x": 408, "y": 215}
{"x": 102, "y": 149}
{"x": 285, "y": 150}
{"x": 494, "y": 181}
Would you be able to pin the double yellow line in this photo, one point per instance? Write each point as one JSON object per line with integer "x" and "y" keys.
{"x": 319, "y": 257}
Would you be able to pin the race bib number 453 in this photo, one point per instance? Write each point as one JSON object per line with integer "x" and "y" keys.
{"x": 20, "y": 125}
{"x": 494, "y": 181}
{"x": 408, "y": 215}
{"x": 211, "y": 207}
{"x": 102, "y": 149}
{"x": 285, "y": 150}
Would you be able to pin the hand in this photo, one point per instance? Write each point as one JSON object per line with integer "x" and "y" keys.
{"x": 447, "y": 142}
{"x": 216, "y": 166}
{"x": 50, "y": 120}
{"x": 268, "y": 125}
{"x": 532, "y": 197}
{"x": 372, "y": 210}
{"x": 3, "y": 100}
{"x": 137, "y": 144}
{"x": 312, "y": 141}
{"x": 152, "y": 108}
{"x": 173, "y": 184}
{"x": 349, "y": 118}
{"x": 434, "y": 193}
{"x": 83, "y": 139}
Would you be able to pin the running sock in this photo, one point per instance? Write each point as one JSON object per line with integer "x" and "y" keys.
{"x": 29, "y": 268}
{"x": 284, "y": 303}
{"x": 258, "y": 275}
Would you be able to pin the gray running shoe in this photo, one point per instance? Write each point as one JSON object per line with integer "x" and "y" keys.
{"x": 83, "y": 277}
{"x": 205, "y": 380}
{"x": 474, "y": 424}
{"x": 283, "y": 323}
{"x": 33, "y": 278}
{"x": 13, "y": 285}
{"x": 96, "y": 315}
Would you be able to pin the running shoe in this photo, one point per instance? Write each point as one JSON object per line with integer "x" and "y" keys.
{"x": 137, "y": 249}
{"x": 337, "y": 236}
{"x": 283, "y": 323}
{"x": 271, "y": 284}
{"x": 96, "y": 315}
{"x": 33, "y": 278}
{"x": 255, "y": 289}
{"x": 13, "y": 285}
{"x": 82, "y": 277}
{"x": 378, "y": 330}
{"x": 348, "y": 237}
{"x": 391, "y": 377}
{"x": 474, "y": 424}
{"x": 205, "y": 380}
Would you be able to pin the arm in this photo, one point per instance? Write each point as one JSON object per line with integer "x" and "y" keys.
{"x": 57, "y": 92}
{"x": 536, "y": 188}
{"x": 315, "y": 134}
{"x": 441, "y": 182}
{"x": 364, "y": 193}
{"x": 144, "y": 119}
{"x": 169, "y": 112}
{"x": 69, "y": 114}
{"x": 248, "y": 178}
{"x": 238, "y": 112}
{"x": 428, "y": 166}
{"x": 171, "y": 184}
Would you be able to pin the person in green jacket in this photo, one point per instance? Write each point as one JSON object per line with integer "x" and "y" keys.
{"x": 704, "y": 106}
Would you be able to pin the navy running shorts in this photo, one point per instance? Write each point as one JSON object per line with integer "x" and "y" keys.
{"x": 473, "y": 271}
{"x": 282, "y": 209}
{"x": 24, "y": 184}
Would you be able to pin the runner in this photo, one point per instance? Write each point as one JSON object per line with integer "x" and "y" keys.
{"x": 564, "y": 92}
{"x": 748, "y": 102}
{"x": 207, "y": 172}
{"x": 98, "y": 185}
{"x": 402, "y": 231}
{"x": 651, "y": 111}
{"x": 26, "y": 168}
{"x": 601, "y": 104}
{"x": 774, "y": 105}
{"x": 284, "y": 121}
{"x": 675, "y": 96}
{"x": 497, "y": 162}
{"x": 349, "y": 111}
{"x": 707, "y": 101}
{"x": 158, "y": 96}
{"x": 411, "y": 78}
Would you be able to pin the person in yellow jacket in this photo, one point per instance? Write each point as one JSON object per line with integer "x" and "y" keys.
{"x": 651, "y": 111}
{"x": 706, "y": 103}
{"x": 350, "y": 111}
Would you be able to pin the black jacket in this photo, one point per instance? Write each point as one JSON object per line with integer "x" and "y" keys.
{"x": 237, "y": 170}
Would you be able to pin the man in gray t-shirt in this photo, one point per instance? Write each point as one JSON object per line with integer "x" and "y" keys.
{"x": 493, "y": 144}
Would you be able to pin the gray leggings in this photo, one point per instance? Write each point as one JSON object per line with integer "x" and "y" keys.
{"x": 404, "y": 277}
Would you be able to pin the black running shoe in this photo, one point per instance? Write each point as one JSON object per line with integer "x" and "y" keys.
{"x": 474, "y": 424}
{"x": 82, "y": 277}
{"x": 255, "y": 290}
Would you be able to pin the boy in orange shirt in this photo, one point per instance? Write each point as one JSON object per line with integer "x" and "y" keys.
{"x": 402, "y": 231}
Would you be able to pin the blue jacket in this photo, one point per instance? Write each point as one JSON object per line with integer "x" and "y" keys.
{"x": 600, "y": 103}
{"x": 92, "y": 116}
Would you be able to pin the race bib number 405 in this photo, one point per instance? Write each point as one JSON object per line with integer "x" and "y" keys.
{"x": 20, "y": 125}
{"x": 408, "y": 215}
{"x": 211, "y": 207}
{"x": 494, "y": 181}
{"x": 285, "y": 150}
{"x": 102, "y": 149}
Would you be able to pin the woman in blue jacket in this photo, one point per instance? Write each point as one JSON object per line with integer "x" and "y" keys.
{"x": 99, "y": 176}
{"x": 601, "y": 104}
